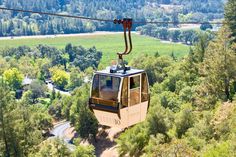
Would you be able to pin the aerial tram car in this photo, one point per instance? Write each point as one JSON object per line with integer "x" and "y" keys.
{"x": 119, "y": 95}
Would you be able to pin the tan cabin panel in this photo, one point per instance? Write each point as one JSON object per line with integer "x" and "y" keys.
{"x": 128, "y": 116}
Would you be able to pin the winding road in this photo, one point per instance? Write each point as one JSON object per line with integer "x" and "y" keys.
{"x": 59, "y": 132}
{"x": 50, "y": 87}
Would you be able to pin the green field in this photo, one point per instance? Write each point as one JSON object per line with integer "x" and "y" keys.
{"x": 108, "y": 44}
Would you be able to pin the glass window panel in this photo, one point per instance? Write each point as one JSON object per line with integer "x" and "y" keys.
{"x": 124, "y": 93}
{"x": 106, "y": 87}
{"x": 134, "y": 90}
{"x": 134, "y": 82}
{"x": 144, "y": 95}
{"x": 95, "y": 88}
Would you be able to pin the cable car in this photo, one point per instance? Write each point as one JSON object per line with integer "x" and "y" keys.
{"x": 119, "y": 95}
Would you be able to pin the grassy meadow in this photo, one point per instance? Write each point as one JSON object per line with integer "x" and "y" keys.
{"x": 109, "y": 44}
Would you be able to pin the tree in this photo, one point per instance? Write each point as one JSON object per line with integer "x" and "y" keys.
{"x": 159, "y": 121}
{"x": 175, "y": 18}
{"x": 230, "y": 16}
{"x": 200, "y": 48}
{"x": 188, "y": 36}
{"x": 14, "y": 78}
{"x": 206, "y": 26}
{"x": 184, "y": 120}
{"x": 163, "y": 34}
{"x": 6, "y": 102}
{"x": 70, "y": 52}
{"x": 76, "y": 79}
{"x": 176, "y": 147}
{"x": 20, "y": 130}
{"x": 175, "y": 35}
{"x": 4, "y": 65}
{"x": 221, "y": 149}
{"x": 38, "y": 89}
{"x": 53, "y": 95}
{"x": 87, "y": 123}
{"x": 218, "y": 70}
{"x": 86, "y": 57}
{"x": 84, "y": 151}
{"x": 202, "y": 131}
{"x": 155, "y": 67}
{"x": 51, "y": 148}
{"x": 135, "y": 139}
{"x": 81, "y": 117}
{"x": 59, "y": 77}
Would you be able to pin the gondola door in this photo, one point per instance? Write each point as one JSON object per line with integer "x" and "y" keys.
{"x": 134, "y": 99}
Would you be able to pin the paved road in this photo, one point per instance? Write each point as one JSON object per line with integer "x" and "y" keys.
{"x": 50, "y": 87}
{"x": 59, "y": 131}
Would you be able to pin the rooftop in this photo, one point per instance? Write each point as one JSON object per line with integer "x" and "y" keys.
{"x": 26, "y": 81}
{"x": 119, "y": 73}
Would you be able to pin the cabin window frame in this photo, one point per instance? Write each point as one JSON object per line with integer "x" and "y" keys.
{"x": 147, "y": 92}
{"x": 129, "y": 90}
{"x": 99, "y": 87}
{"x": 126, "y": 104}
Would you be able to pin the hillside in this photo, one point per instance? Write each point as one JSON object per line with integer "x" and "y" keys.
{"x": 142, "y": 10}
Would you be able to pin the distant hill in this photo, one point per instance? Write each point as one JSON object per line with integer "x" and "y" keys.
{"x": 13, "y": 24}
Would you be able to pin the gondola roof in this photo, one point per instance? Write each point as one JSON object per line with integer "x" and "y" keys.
{"x": 119, "y": 73}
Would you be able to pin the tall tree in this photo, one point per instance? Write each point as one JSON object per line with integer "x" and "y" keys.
{"x": 218, "y": 69}
{"x": 230, "y": 16}
{"x": 6, "y": 102}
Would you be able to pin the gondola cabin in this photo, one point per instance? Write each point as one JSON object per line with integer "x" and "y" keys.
{"x": 119, "y": 99}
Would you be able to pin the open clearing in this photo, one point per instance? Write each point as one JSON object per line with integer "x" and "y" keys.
{"x": 108, "y": 43}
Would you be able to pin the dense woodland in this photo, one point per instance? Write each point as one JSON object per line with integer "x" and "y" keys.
{"x": 15, "y": 24}
{"x": 193, "y": 102}
{"x": 185, "y": 36}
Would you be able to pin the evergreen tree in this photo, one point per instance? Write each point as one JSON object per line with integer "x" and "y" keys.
{"x": 230, "y": 16}
{"x": 6, "y": 102}
{"x": 218, "y": 69}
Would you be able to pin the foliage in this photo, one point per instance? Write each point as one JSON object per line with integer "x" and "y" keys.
{"x": 84, "y": 151}
{"x": 51, "y": 148}
{"x": 188, "y": 36}
{"x": 134, "y": 139}
{"x": 188, "y": 114}
{"x": 156, "y": 69}
{"x": 16, "y": 24}
{"x": 38, "y": 90}
{"x": 21, "y": 125}
{"x": 83, "y": 58}
{"x": 87, "y": 123}
{"x": 159, "y": 121}
{"x": 60, "y": 78}
{"x": 76, "y": 79}
{"x": 174, "y": 148}
{"x": 81, "y": 117}
{"x": 184, "y": 120}
{"x": 218, "y": 70}
{"x": 230, "y": 16}
{"x": 218, "y": 150}
{"x": 201, "y": 132}
{"x": 14, "y": 78}
{"x": 206, "y": 26}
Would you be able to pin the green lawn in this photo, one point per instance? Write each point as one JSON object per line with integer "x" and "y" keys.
{"x": 108, "y": 44}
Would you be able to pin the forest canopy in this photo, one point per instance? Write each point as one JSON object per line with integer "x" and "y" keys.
{"x": 15, "y": 24}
